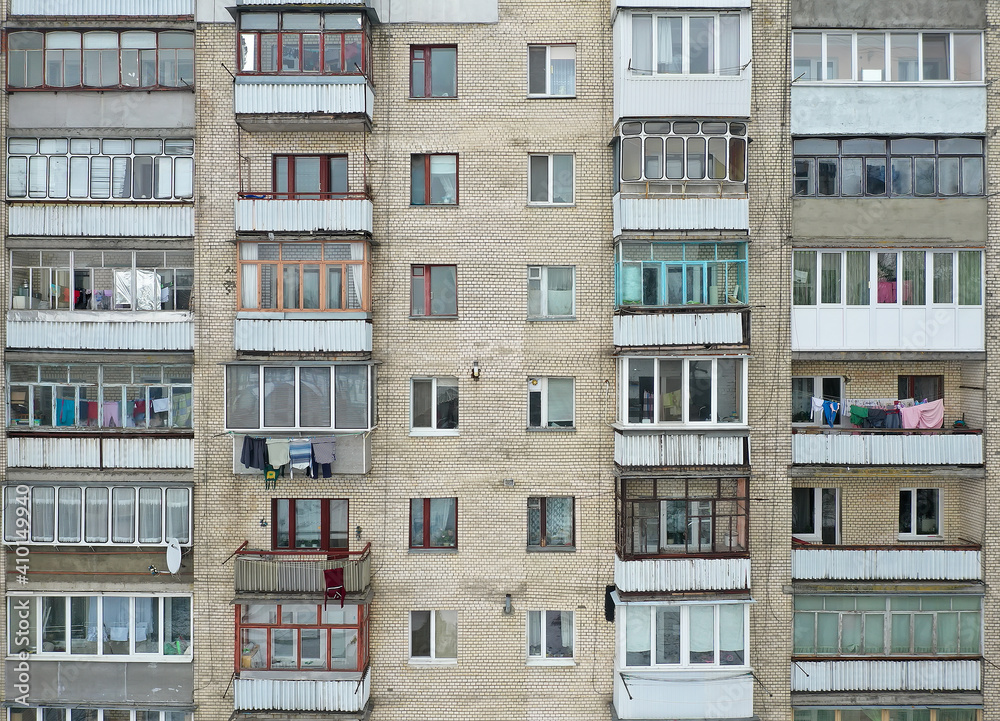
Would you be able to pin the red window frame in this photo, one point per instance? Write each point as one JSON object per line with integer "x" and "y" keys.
{"x": 324, "y": 536}
{"x": 426, "y": 161}
{"x": 364, "y": 61}
{"x": 424, "y": 543}
{"x": 361, "y": 626}
{"x": 424, "y": 271}
{"x": 324, "y": 193}
{"x": 428, "y": 66}
{"x": 542, "y": 518}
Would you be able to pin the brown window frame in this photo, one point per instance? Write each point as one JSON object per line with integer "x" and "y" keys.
{"x": 543, "y": 534}
{"x": 365, "y": 64}
{"x": 425, "y": 270}
{"x": 426, "y": 59}
{"x": 325, "y": 529}
{"x": 425, "y": 542}
{"x": 325, "y": 177}
{"x": 425, "y": 159}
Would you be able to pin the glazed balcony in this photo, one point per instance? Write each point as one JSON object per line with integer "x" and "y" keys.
{"x": 885, "y": 447}
{"x": 902, "y": 563}
{"x": 270, "y": 212}
{"x": 299, "y": 571}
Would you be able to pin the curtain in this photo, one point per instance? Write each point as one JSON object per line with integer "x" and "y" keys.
{"x": 355, "y": 276}
{"x": 729, "y": 45}
{"x": 914, "y": 281}
{"x": 804, "y": 277}
{"x": 150, "y": 524}
{"x": 970, "y": 279}
{"x": 642, "y": 45}
{"x": 566, "y": 627}
{"x": 95, "y": 519}
{"x": 830, "y": 274}
{"x": 43, "y": 510}
{"x": 943, "y": 277}
{"x": 731, "y": 651}
{"x": 443, "y": 174}
{"x": 534, "y": 633}
{"x": 248, "y": 276}
{"x": 668, "y": 634}
{"x": 563, "y": 63}
{"x": 560, "y": 397}
{"x": 351, "y": 396}
{"x": 70, "y": 502}
{"x": 177, "y": 515}
{"x": 10, "y": 529}
{"x": 857, "y": 263}
{"x": 669, "y": 44}
{"x": 702, "y": 634}
{"x": 446, "y": 634}
{"x": 637, "y": 636}
{"x": 560, "y": 290}
{"x": 559, "y": 520}
{"x": 123, "y": 515}
{"x": 147, "y": 622}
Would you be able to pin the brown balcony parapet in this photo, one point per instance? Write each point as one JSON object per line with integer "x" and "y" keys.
{"x": 299, "y": 570}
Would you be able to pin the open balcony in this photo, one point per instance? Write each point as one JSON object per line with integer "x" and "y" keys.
{"x": 886, "y": 563}
{"x": 299, "y": 571}
{"x": 269, "y": 212}
{"x": 887, "y": 447}
{"x": 347, "y": 696}
{"x": 303, "y": 103}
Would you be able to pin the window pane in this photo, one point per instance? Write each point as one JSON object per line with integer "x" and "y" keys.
{"x": 447, "y": 403}
{"x": 538, "y": 177}
{"x": 562, "y": 79}
{"x": 443, "y": 72}
{"x": 640, "y": 390}
{"x": 242, "y": 397}
{"x": 830, "y": 277}
{"x": 123, "y": 518}
{"x": 442, "y": 526}
{"x": 731, "y": 651}
{"x": 701, "y": 42}
{"x": 699, "y": 391}
{"x": 803, "y": 499}
{"x": 968, "y": 56}
{"x": 838, "y": 56}
{"x": 559, "y": 521}
{"x": 871, "y": 57}
{"x": 418, "y": 186}
{"x": 444, "y": 290}
{"x": 95, "y": 520}
{"x": 702, "y": 634}
{"x": 669, "y": 50}
{"x": 886, "y": 277}
{"x": 560, "y": 402}
{"x": 444, "y": 180}
{"x": 351, "y": 396}
{"x": 729, "y": 45}
{"x": 903, "y": 57}
{"x": 857, "y": 277}
{"x": 279, "y": 397}
{"x": 969, "y": 277}
{"x": 43, "y": 514}
{"x": 446, "y": 634}
{"x": 927, "y": 511}
{"x": 562, "y": 178}
{"x": 422, "y": 402}
{"x": 308, "y": 517}
{"x": 696, "y": 158}
{"x": 935, "y": 46}
{"x": 729, "y": 395}
{"x": 804, "y": 277}
{"x": 537, "y": 69}
{"x": 314, "y": 397}
{"x": 914, "y": 283}
{"x": 943, "y": 277}
{"x": 642, "y": 45}
{"x": 807, "y": 56}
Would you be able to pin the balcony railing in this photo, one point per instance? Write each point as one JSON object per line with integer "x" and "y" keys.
{"x": 667, "y": 575}
{"x": 126, "y": 449}
{"x": 299, "y": 571}
{"x": 103, "y": 221}
{"x": 657, "y": 448}
{"x": 99, "y": 330}
{"x": 692, "y": 212}
{"x": 261, "y": 212}
{"x": 118, "y": 8}
{"x": 290, "y": 102}
{"x": 683, "y": 326}
{"x": 871, "y": 675}
{"x": 845, "y": 563}
{"x": 265, "y": 694}
{"x": 883, "y": 447}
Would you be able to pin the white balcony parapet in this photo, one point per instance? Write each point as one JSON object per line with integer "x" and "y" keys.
{"x": 266, "y": 694}
{"x": 120, "y": 8}
{"x": 338, "y": 96}
{"x": 336, "y": 215}
{"x": 886, "y": 564}
{"x": 682, "y": 574}
{"x": 864, "y": 675}
{"x": 691, "y": 213}
{"x": 888, "y": 328}
{"x": 860, "y": 448}
{"x": 720, "y": 693}
{"x": 666, "y": 328}
{"x": 105, "y": 452}
{"x": 99, "y": 330}
{"x": 664, "y": 448}
{"x": 101, "y": 221}
{"x": 343, "y": 336}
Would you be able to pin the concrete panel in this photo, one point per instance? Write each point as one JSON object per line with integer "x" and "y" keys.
{"x": 68, "y": 563}
{"x": 438, "y": 11}
{"x": 162, "y": 110}
{"x": 104, "y": 684}
{"x": 959, "y": 219}
{"x": 957, "y": 14}
{"x": 883, "y": 109}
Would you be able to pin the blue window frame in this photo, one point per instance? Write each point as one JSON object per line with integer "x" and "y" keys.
{"x": 672, "y": 274}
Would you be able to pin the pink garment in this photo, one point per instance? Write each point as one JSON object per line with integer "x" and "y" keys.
{"x": 111, "y": 419}
{"x": 926, "y": 415}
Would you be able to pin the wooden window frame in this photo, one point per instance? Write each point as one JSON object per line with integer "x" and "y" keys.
{"x": 325, "y": 529}
{"x": 425, "y": 543}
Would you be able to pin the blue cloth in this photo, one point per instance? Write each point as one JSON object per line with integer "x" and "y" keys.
{"x": 830, "y": 409}
{"x": 65, "y": 411}
{"x": 300, "y": 453}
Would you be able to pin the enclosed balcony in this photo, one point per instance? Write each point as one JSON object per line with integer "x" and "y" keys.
{"x": 871, "y": 675}
{"x": 878, "y": 447}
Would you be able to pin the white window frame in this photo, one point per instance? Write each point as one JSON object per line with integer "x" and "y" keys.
{"x": 17, "y": 640}
{"x": 819, "y": 419}
{"x": 538, "y": 276}
{"x": 550, "y": 183}
{"x": 817, "y": 535}
{"x": 15, "y": 534}
{"x": 38, "y": 168}
{"x": 540, "y": 385}
{"x": 685, "y": 395}
{"x": 915, "y": 535}
{"x": 887, "y": 60}
{"x": 27, "y": 713}
{"x": 542, "y": 658}
{"x": 261, "y": 386}
{"x": 685, "y": 636}
{"x": 549, "y": 49}
{"x": 433, "y": 659}
{"x": 433, "y": 429}
{"x": 640, "y": 73}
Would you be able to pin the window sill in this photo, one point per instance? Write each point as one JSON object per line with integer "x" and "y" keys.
{"x": 428, "y": 432}
{"x": 550, "y": 318}
{"x": 551, "y": 549}
{"x": 551, "y": 205}
{"x": 434, "y": 317}
{"x": 557, "y": 429}
{"x": 736, "y": 429}
{"x": 551, "y": 662}
{"x": 551, "y": 97}
{"x": 432, "y": 662}
{"x": 918, "y": 538}
{"x": 433, "y": 551}
{"x": 432, "y": 97}
{"x": 434, "y": 205}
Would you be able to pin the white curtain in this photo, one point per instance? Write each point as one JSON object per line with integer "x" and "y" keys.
{"x": 178, "y": 515}
{"x": 70, "y": 503}
{"x": 95, "y": 520}
{"x": 566, "y": 626}
{"x": 560, "y": 296}
{"x": 642, "y": 44}
{"x": 150, "y": 530}
{"x": 729, "y": 45}
{"x": 248, "y": 276}
{"x": 10, "y": 514}
{"x": 702, "y": 630}
{"x": 669, "y": 45}
{"x": 731, "y": 633}
{"x": 560, "y": 391}
{"x": 534, "y": 633}
{"x": 355, "y": 288}
{"x": 637, "y": 637}
{"x": 123, "y": 523}
{"x": 43, "y": 511}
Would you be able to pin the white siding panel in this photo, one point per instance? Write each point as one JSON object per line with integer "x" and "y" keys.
{"x": 135, "y": 220}
{"x": 677, "y": 449}
{"x": 134, "y": 335}
{"x": 677, "y": 328}
{"x": 122, "y": 8}
{"x": 280, "y": 216}
{"x": 943, "y": 675}
{"x": 681, "y": 4}
{"x": 694, "y": 213}
{"x": 913, "y": 109}
{"x": 291, "y": 97}
{"x": 886, "y": 564}
{"x": 921, "y": 328}
{"x": 87, "y": 452}
{"x": 887, "y": 449}
{"x": 298, "y": 3}
{"x": 260, "y": 694}
{"x": 304, "y": 335}
{"x": 683, "y": 694}
{"x": 682, "y": 574}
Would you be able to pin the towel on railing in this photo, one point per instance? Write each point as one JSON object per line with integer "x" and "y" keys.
{"x": 925, "y": 415}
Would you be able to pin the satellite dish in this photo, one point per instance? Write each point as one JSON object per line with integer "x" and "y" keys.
{"x": 173, "y": 555}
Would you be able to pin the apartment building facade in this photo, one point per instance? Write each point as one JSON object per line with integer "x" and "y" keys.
{"x": 384, "y": 359}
